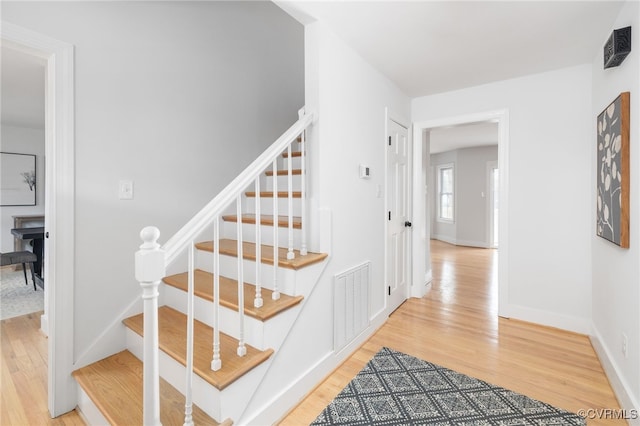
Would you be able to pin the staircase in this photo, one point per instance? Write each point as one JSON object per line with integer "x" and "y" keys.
{"x": 211, "y": 328}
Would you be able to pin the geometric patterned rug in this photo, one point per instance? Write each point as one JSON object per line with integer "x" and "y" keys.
{"x": 398, "y": 389}
{"x": 17, "y": 298}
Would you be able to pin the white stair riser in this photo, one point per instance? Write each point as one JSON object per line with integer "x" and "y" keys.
{"x": 220, "y": 405}
{"x": 283, "y": 183}
{"x": 261, "y": 335}
{"x": 229, "y": 318}
{"x": 266, "y": 206}
{"x": 89, "y": 410}
{"x": 230, "y": 229}
{"x": 296, "y": 162}
{"x": 229, "y": 268}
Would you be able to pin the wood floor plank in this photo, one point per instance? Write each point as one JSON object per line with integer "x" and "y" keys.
{"x": 173, "y": 340}
{"x": 294, "y": 172}
{"x": 456, "y": 325}
{"x": 203, "y": 283}
{"x": 229, "y": 247}
{"x": 23, "y": 368}
{"x": 267, "y": 220}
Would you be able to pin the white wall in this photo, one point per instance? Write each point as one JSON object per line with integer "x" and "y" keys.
{"x": 550, "y": 191}
{"x": 350, "y": 98}
{"x": 22, "y": 140}
{"x": 178, "y": 97}
{"x": 616, "y": 271}
{"x": 471, "y": 224}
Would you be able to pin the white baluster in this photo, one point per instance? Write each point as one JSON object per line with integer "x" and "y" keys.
{"x": 290, "y": 253}
{"x": 276, "y": 293}
{"x": 149, "y": 270}
{"x": 258, "y": 302}
{"x": 216, "y": 362}
{"x": 188, "y": 404}
{"x": 303, "y": 197}
{"x": 242, "y": 349}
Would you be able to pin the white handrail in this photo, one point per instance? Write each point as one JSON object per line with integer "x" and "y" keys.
{"x": 179, "y": 241}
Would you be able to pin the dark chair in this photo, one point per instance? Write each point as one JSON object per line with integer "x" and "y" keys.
{"x": 24, "y": 257}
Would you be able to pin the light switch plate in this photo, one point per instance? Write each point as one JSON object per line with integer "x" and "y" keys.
{"x": 125, "y": 191}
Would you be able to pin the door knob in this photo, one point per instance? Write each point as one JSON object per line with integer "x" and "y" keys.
{"x": 407, "y": 224}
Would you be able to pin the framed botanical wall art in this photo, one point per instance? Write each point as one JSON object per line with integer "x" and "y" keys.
{"x": 613, "y": 172}
{"x": 17, "y": 179}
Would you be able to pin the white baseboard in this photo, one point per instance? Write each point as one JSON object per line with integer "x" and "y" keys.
{"x": 44, "y": 324}
{"x": 628, "y": 401}
{"x": 551, "y": 319}
{"x": 444, "y": 238}
{"x": 456, "y": 242}
{"x": 419, "y": 289}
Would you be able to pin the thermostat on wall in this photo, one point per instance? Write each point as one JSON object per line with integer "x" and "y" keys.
{"x": 365, "y": 172}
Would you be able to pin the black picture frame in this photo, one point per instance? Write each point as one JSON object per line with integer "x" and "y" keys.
{"x": 18, "y": 179}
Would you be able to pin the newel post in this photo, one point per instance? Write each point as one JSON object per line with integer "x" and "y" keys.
{"x": 150, "y": 269}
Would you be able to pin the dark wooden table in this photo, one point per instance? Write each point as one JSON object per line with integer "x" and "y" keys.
{"x": 37, "y": 235}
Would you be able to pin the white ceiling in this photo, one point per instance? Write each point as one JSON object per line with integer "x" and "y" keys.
{"x": 429, "y": 47}
{"x": 425, "y": 47}
{"x": 463, "y": 136}
{"x": 22, "y": 97}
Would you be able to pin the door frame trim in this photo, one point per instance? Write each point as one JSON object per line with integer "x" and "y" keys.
{"x": 502, "y": 118}
{"x": 390, "y": 115}
{"x": 58, "y": 319}
{"x": 490, "y": 204}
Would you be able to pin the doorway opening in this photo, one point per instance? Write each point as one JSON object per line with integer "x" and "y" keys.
{"x": 489, "y": 196}
{"x": 59, "y": 248}
{"x": 493, "y": 216}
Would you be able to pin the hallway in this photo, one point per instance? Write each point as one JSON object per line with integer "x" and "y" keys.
{"x": 456, "y": 325}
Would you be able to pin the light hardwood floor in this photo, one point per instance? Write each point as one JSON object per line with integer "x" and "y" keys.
{"x": 24, "y": 375}
{"x": 456, "y": 325}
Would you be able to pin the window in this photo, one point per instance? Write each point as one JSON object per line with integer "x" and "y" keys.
{"x": 445, "y": 192}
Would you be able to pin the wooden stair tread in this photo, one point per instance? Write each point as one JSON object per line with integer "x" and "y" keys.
{"x": 203, "y": 287}
{"x": 265, "y": 219}
{"x": 284, "y": 172}
{"x": 269, "y": 194}
{"x": 293, "y": 154}
{"x": 229, "y": 247}
{"x": 115, "y": 386}
{"x": 173, "y": 340}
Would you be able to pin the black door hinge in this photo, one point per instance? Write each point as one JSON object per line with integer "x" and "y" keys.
{"x": 389, "y": 290}
{"x": 389, "y": 214}
{"x": 389, "y": 140}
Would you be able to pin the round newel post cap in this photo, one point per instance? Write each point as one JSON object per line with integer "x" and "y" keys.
{"x": 149, "y": 236}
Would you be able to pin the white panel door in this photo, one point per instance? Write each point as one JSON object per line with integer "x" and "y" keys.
{"x": 397, "y": 214}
